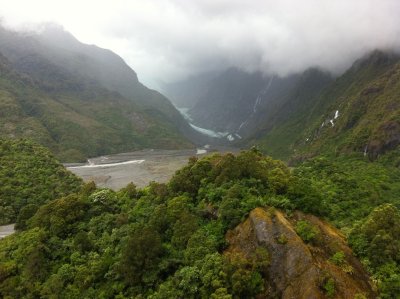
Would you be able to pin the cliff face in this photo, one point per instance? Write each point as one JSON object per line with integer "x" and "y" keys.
{"x": 322, "y": 267}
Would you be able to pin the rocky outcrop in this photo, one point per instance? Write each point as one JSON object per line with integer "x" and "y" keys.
{"x": 386, "y": 138}
{"x": 298, "y": 269}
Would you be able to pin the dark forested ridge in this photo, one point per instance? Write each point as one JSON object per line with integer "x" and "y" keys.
{"x": 30, "y": 176}
{"x": 194, "y": 236}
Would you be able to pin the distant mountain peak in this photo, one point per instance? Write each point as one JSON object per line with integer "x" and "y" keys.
{"x": 56, "y": 34}
{"x": 376, "y": 57}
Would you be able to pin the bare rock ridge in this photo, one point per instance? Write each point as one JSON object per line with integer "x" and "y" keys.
{"x": 298, "y": 269}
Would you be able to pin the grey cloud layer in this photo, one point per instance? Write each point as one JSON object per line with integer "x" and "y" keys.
{"x": 272, "y": 36}
{"x": 168, "y": 39}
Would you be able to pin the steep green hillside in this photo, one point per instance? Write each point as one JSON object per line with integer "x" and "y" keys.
{"x": 76, "y": 118}
{"x": 368, "y": 110}
{"x": 33, "y": 52}
{"x": 102, "y": 66}
{"x": 30, "y": 176}
{"x": 367, "y": 117}
{"x": 44, "y": 96}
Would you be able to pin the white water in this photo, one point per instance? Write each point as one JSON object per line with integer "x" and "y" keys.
{"x": 92, "y": 165}
{"x": 230, "y": 137}
{"x": 201, "y": 151}
{"x": 256, "y": 104}
{"x": 258, "y": 101}
{"x": 242, "y": 124}
{"x": 335, "y": 117}
{"x": 208, "y": 132}
{"x": 185, "y": 113}
{"x": 263, "y": 92}
{"x": 336, "y": 114}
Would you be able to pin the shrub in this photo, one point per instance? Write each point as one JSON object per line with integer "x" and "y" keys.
{"x": 338, "y": 258}
{"x": 282, "y": 239}
{"x": 306, "y": 231}
{"x": 329, "y": 287}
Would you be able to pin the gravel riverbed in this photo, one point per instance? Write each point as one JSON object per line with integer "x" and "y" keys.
{"x": 140, "y": 167}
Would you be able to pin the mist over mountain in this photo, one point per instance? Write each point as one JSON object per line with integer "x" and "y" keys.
{"x": 79, "y": 100}
{"x": 283, "y": 115}
{"x": 238, "y": 104}
{"x": 167, "y": 41}
{"x": 313, "y": 83}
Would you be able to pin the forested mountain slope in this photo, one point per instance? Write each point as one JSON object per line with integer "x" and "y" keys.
{"x": 30, "y": 176}
{"x": 213, "y": 231}
{"x": 358, "y": 112}
{"x": 59, "y": 97}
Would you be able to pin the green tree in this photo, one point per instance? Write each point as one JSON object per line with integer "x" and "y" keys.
{"x": 24, "y": 215}
{"x": 140, "y": 256}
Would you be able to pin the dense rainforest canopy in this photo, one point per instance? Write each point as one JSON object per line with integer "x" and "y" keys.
{"x": 30, "y": 176}
{"x": 168, "y": 240}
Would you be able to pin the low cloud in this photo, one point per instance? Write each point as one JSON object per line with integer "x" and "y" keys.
{"x": 170, "y": 39}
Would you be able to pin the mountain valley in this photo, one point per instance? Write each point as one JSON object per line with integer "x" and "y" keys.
{"x": 227, "y": 184}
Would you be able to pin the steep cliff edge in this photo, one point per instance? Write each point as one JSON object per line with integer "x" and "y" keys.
{"x": 308, "y": 257}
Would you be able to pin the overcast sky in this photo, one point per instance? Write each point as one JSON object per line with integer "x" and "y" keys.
{"x": 165, "y": 40}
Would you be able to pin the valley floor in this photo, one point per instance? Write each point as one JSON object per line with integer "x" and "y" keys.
{"x": 6, "y": 230}
{"x": 140, "y": 167}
